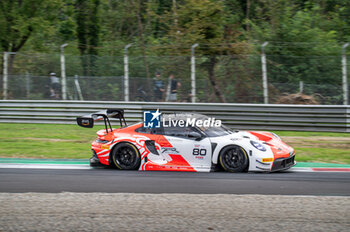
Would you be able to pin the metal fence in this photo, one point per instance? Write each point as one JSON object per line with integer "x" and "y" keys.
{"x": 237, "y": 116}
{"x": 237, "y": 78}
{"x": 111, "y": 88}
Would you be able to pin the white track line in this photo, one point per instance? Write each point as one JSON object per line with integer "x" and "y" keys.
{"x": 301, "y": 170}
{"x": 87, "y": 166}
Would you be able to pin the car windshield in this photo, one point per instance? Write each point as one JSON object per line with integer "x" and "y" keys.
{"x": 216, "y": 131}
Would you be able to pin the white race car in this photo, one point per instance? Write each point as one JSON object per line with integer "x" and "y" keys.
{"x": 185, "y": 148}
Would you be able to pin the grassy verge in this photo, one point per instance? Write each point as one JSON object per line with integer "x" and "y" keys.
{"x": 46, "y": 141}
{"x": 323, "y": 155}
{"x": 73, "y": 142}
{"x": 325, "y": 147}
{"x": 311, "y": 134}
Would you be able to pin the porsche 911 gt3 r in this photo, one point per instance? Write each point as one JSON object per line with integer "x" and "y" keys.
{"x": 185, "y": 148}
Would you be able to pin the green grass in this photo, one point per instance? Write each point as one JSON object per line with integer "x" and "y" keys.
{"x": 322, "y": 155}
{"x": 326, "y": 147}
{"x": 73, "y": 142}
{"x": 46, "y": 141}
{"x": 47, "y": 131}
{"x": 310, "y": 134}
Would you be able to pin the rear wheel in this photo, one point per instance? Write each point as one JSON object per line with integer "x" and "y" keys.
{"x": 125, "y": 156}
{"x": 233, "y": 158}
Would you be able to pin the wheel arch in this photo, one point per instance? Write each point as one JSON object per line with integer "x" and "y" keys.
{"x": 218, "y": 149}
{"x": 217, "y": 154}
{"x": 110, "y": 159}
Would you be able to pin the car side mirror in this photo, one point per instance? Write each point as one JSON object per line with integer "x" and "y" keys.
{"x": 195, "y": 135}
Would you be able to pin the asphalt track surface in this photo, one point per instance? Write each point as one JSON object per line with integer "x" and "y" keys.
{"x": 114, "y": 181}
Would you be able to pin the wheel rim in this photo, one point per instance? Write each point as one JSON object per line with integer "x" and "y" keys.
{"x": 125, "y": 157}
{"x": 234, "y": 158}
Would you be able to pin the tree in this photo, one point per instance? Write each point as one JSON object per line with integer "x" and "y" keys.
{"x": 20, "y": 19}
{"x": 204, "y": 22}
{"x": 300, "y": 52}
{"x": 88, "y": 31}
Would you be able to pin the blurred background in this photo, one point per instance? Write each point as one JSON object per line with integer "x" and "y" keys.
{"x": 235, "y": 51}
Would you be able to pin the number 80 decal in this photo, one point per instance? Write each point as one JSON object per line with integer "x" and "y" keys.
{"x": 197, "y": 151}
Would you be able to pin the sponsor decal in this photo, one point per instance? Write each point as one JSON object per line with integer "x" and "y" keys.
{"x": 170, "y": 150}
{"x": 106, "y": 147}
{"x": 152, "y": 119}
{"x": 199, "y": 157}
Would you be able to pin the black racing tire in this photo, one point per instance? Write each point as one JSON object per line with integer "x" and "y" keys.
{"x": 126, "y": 156}
{"x": 233, "y": 158}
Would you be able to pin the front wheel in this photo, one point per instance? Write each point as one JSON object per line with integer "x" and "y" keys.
{"x": 126, "y": 157}
{"x": 233, "y": 158}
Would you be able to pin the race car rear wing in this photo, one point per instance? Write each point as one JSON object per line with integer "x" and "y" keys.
{"x": 88, "y": 120}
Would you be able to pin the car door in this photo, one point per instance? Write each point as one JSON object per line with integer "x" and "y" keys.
{"x": 190, "y": 144}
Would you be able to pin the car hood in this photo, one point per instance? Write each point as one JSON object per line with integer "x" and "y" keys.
{"x": 279, "y": 148}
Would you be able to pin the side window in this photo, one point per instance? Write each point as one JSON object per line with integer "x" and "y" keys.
{"x": 145, "y": 130}
{"x": 175, "y": 131}
{"x": 194, "y": 134}
{"x": 157, "y": 131}
{"x": 182, "y": 132}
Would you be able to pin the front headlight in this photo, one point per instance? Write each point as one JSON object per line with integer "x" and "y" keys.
{"x": 257, "y": 145}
